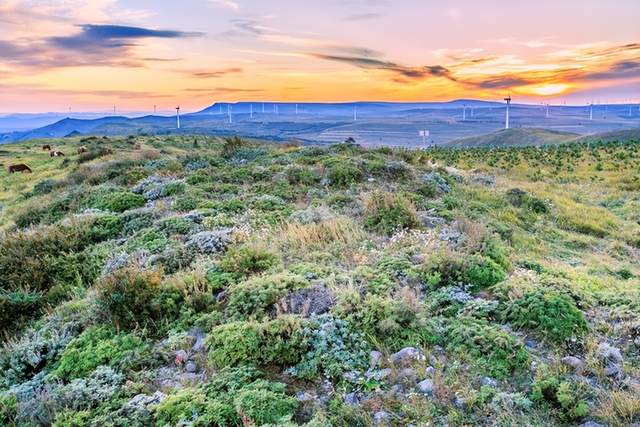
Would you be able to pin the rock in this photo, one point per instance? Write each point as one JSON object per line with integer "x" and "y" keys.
{"x": 429, "y": 220}
{"x": 609, "y": 354}
{"x": 530, "y": 343}
{"x": 426, "y": 387}
{"x": 145, "y": 400}
{"x": 198, "y": 337}
{"x": 207, "y": 242}
{"x": 374, "y": 358}
{"x": 489, "y": 382}
{"x": 574, "y": 363}
{"x": 304, "y": 396}
{"x": 371, "y": 179}
{"x": 397, "y": 390}
{"x": 350, "y": 376}
{"x": 591, "y": 424}
{"x": 430, "y": 371}
{"x": 191, "y": 366}
{"x": 612, "y": 370}
{"x": 460, "y": 402}
{"x": 351, "y": 399}
{"x": 181, "y": 357}
{"x": 482, "y": 179}
{"x": 308, "y": 302}
{"x": 381, "y": 418}
{"x": 407, "y": 375}
{"x": 378, "y": 374}
{"x": 406, "y": 356}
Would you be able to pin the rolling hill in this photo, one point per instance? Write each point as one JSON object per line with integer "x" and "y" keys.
{"x": 515, "y": 138}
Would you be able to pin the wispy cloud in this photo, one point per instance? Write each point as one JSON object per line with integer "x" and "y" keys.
{"x": 217, "y": 73}
{"x": 92, "y": 45}
{"x": 362, "y": 17}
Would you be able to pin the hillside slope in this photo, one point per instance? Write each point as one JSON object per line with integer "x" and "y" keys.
{"x": 189, "y": 280}
{"x": 518, "y": 137}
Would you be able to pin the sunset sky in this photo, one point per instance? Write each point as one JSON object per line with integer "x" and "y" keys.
{"x": 90, "y": 55}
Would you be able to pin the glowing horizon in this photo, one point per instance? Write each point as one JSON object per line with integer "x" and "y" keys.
{"x": 93, "y": 55}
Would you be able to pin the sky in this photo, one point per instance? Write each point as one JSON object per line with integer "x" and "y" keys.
{"x": 93, "y": 55}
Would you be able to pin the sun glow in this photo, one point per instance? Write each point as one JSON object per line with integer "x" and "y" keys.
{"x": 546, "y": 89}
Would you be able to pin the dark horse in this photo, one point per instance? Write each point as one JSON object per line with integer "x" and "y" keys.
{"x": 19, "y": 168}
{"x": 46, "y": 147}
{"x": 56, "y": 154}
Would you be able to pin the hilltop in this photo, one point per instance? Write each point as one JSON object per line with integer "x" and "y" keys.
{"x": 196, "y": 280}
{"x": 518, "y": 137}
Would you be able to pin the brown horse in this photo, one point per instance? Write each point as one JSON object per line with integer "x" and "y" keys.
{"x": 19, "y": 168}
{"x": 46, "y": 147}
{"x": 82, "y": 149}
{"x": 56, "y": 154}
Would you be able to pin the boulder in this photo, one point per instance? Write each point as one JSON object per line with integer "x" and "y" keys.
{"x": 406, "y": 356}
{"x": 309, "y": 301}
{"x": 426, "y": 387}
{"x": 576, "y": 364}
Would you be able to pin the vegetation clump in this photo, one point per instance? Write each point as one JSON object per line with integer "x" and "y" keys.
{"x": 386, "y": 213}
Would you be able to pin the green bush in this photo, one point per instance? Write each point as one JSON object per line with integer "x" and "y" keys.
{"x": 265, "y": 405}
{"x": 150, "y": 240}
{"x": 105, "y": 227}
{"x": 386, "y": 213}
{"x": 279, "y": 342}
{"x": 248, "y": 260}
{"x": 8, "y": 409}
{"x": 99, "y": 345}
{"x": 344, "y": 174}
{"x": 176, "y": 225}
{"x": 134, "y": 298}
{"x": 552, "y": 315}
{"x": 119, "y": 201}
{"x": 451, "y": 269}
{"x": 569, "y": 398}
{"x": 298, "y": 175}
{"x": 492, "y": 350}
{"x": 180, "y": 408}
{"x": 253, "y": 298}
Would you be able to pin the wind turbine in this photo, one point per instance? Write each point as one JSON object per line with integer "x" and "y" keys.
{"x": 178, "y": 116}
{"x": 547, "y": 113}
{"x": 355, "y": 112}
{"x": 464, "y": 112}
{"x": 591, "y": 111}
{"x": 251, "y": 111}
{"x": 506, "y": 117}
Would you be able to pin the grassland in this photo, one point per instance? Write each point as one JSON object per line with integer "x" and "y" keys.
{"x": 204, "y": 281}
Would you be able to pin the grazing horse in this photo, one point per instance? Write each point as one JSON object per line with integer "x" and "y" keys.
{"x": 19, "y": 168}
{"x": 56, "y": 154}
{"x": 46, "y": 147}
{"x": 82, "y": 149}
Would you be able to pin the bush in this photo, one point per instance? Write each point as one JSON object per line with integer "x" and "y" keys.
{"x": 552, "y": 315}
{"x": 492, "y": 350}
{"x": 452, "y": 269}
{"x": 333, "y": 349}
{"x": 298, "y": 175}
{"x": 177, "y": 225}
{"x": 248, "y": 260}
{"x": 344, "y": 174}
{"x": 119, "y": 201}
{"x": 99, "y": 345}
{"x": 134, "y": 298}
{"x": 569, "y": 397}
{"x": 253, "y": 298}
{"x": 264, "y": 405}
{"x": 8, "y": 409}
{"x": 105, "y": 227}
{"x": 386, "y": 213}
{"x": 277, "y": 342}
{"x": 180, "y": 408}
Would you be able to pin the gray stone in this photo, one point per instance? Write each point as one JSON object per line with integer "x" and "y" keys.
{"x": 574, "y": 363}
{"x": 530, "y": 343}
{"x": 407, "y": 375}
{"x": 351, "y": 399}
{"x": 430, "y": 371}
{"x": 374, "y": 358}
{"x": 207, "y": 242}
{"x": 430, "y": 220}
{"x": 350, "y": 376}
{"x": 488, "y": 381}
{"x": 381, "y": 418}
{"x": 378, "y": 374}
{"x": 191, "y": 366}
{"x": 426, "y": 387}
{"x": 609, "y": 354}
{"x": 612, "y": 370}
{"x": 406, "y": 356}
{"x": 591, "y": 424}
{"x": 309, "y": 301}
{"x": 304, "y": 396}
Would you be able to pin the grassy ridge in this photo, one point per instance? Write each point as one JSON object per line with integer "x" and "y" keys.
{"x": 172, "y": 280}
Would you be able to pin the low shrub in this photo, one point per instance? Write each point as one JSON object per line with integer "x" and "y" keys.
{"x": 105, "y": 227}
{"x": 491, "y": 349}
{"x": 99, "y": 345}
{"x": 386, "y": 213}
{"x": 119, "y": 201}
{"x": 451, "y": 269}
{"x": 568, "y": 398}
{"x": 134, "y": 298}
{"x": 180, "y": 408}
{"x": 253, "y": 298}
{"x": 344, "y": 174}
{"x": 277, "y": 342}
{"x": 248, "y": 260}
{"x": 265, "y": 403}
{"x": 552, "y": 315}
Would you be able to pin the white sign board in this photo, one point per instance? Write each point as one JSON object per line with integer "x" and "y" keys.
{"x": 424, "y": 133}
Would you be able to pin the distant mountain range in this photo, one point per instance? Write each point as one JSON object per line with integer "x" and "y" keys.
{"x": 370, "y": 123}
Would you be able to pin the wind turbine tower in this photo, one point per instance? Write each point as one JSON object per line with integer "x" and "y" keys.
{"x": 506, "y": 117}
{"x": 355, "y": 113}
{"x": 229, "y": 113}
{"x": 464, "y": 112}
{"x": 297, "y": 109}
{"x": 591, "y": 111}
{"x": 547, "y": 113}
{"x": 178, "y": 116}
{"x": 251, "y": 111}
